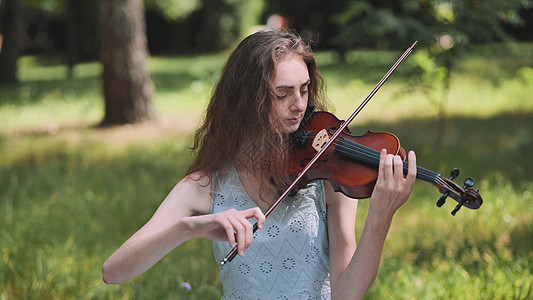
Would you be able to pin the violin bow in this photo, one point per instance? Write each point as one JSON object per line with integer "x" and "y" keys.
{"x": 229, "y": 257}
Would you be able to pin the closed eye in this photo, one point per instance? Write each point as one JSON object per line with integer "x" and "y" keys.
{"x": 281, "y": 97}
{"x": 284, "y": 91}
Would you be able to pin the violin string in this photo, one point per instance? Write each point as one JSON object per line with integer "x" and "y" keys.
{"x": 372, "y": 156}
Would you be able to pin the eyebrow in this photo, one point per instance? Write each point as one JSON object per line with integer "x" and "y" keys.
{"x": 289, "y": 87}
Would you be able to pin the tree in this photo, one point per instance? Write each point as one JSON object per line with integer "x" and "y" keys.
{"x": 123, "y": 54}
{"x": 10, "y": 28}
{"x": 73, "y": 13}
{"x": 311, "y": 18}
{"x": 443, "y": 28}
{"x": 391, "y": 23}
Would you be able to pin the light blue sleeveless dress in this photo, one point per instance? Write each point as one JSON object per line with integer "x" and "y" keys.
{"x": 288, "y": 258}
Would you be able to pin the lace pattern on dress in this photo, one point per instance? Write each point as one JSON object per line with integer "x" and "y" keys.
{"x": 288, "y": 258}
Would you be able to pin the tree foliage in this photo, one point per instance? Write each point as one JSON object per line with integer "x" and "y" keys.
{"x": 387, "y": 23}
{"x": 187, "y": 26}
{"x": 184, "y": 26}
{"x": 174, "y": 10}
{"x": 311, "y": 18}
{"x": 439, "y": 25}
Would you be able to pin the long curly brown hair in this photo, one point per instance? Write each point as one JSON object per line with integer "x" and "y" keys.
{"x": 238, "y": 127}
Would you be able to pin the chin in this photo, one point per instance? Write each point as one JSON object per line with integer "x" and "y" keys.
{"x": 291, "y": 129}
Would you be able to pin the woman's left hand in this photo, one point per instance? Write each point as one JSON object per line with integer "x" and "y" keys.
{"x": 392, "y": 189}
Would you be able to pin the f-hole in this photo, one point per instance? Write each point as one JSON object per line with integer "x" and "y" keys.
{"x": 331, "y": 130}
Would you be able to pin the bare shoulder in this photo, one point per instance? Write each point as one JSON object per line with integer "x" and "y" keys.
{"x": 192, "y": 193}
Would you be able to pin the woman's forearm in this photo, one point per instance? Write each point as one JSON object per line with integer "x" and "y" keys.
{"x": 140, "y": 253}
{"x": 364, "y": 265}
{"x": 391, "y": 191}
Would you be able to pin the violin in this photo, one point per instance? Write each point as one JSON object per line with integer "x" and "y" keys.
{"x": 351, "y": 163}
{"x": 325, "y": 149}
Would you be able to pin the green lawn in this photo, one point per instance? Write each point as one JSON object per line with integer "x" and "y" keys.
{"x": 71, "y": 194}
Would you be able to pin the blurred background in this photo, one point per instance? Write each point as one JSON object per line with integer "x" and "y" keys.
{"x": 99, "y": 99}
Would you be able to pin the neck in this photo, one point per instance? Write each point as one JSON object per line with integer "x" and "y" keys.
{"x": 363, "y": 154}
{"x": 258, "y": 186}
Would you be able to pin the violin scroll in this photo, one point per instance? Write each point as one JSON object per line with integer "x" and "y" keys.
{"x": 465, "y": 196}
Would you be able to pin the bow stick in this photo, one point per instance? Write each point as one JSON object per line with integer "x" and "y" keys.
{"x": 229, "y": 257}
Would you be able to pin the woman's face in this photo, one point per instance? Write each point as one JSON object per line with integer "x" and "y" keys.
{"x": 290, "y": 84}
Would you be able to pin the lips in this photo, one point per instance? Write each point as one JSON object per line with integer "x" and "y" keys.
{"x": 294, "y": 120}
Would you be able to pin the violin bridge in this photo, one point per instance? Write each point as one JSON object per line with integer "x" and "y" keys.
{"x": 320, "y": 140}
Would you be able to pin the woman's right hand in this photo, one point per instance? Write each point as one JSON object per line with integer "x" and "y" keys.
{"x": 231, "y": 225}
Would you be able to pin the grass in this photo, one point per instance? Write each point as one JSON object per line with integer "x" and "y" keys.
{"x": 70, "y": 195}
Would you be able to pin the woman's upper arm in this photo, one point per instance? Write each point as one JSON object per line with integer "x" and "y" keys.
{"x": 341, "y": 213}
{"x": 191, "y": 196}
{"x": 162, "y": 233}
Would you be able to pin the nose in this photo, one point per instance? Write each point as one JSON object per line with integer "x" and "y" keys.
{"x": 299, "y": 103}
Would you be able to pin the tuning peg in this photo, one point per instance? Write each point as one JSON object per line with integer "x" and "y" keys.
{"x": 453, "y": 174}
{"x": 469, "y": 182}
{"x": 442, "y": 199}
{"x": 457, "y": 208}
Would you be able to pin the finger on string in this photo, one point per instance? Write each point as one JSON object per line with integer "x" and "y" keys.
{"x": 389, "y": 163}
{"x": 381, "y": 171}
{"x": 398, "y": 167}
{"x": 411, "y": 175}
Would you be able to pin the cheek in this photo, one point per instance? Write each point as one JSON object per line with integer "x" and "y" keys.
{"x": 278, "y": 107}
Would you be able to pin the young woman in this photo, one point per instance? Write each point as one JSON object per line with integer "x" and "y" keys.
{"x": 306, "y": 248}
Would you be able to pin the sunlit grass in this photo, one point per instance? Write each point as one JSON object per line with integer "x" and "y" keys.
{"x": 70, "y": 194}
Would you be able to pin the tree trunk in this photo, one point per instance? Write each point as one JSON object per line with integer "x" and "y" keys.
{"x": 11, "y": 28}
{"x": 73, "y": 16}
{"x": 123, "y": 54}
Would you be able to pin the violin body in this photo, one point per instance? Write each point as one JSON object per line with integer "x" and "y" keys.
{"x": 332, "y": 167}
{"x": 351, "y": 163}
